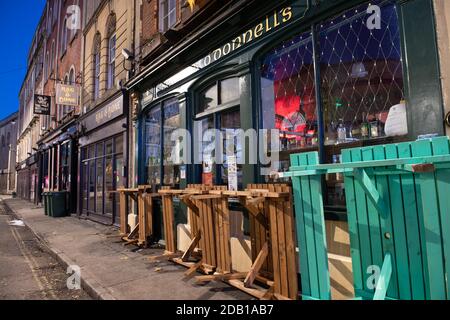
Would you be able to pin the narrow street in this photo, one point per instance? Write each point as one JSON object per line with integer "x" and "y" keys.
{"x": 27, "y": 270}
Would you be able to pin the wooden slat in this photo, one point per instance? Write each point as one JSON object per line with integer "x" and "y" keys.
{"x": 412, "y": 222}
{"x": 256, "y": 267}
{"x": 363, "y": 224}
{"x": 441, "y": 147}
{"x": 123, "y": 213}
{"x": 301, "y": 234}
{"x": 432, "y": 225}
{"x": 353, "y": 227}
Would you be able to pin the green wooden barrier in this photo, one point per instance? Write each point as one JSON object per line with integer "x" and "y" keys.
{"x": 398, "y": 203}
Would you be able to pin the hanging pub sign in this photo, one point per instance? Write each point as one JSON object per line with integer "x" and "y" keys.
{"x": 67, "y": 95}
{"x": 42, "y": 104}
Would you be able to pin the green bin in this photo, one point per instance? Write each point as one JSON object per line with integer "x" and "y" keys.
{"x": 58, "y": 204}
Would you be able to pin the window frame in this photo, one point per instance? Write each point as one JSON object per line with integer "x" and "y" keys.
{"x": 164, "y": 15}
{"x": 112, "y": 61}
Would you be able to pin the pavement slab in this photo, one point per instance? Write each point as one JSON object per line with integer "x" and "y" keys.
{"x": 109, "y": 270}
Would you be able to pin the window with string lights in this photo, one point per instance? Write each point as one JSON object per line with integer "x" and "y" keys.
{"x": 353, "y": 97}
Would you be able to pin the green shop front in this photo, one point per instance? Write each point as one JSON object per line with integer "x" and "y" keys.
{"x": 326, "y": 75}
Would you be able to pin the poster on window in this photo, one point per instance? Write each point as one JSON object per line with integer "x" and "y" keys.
{"x": 232, "y": 173}
{"x": 207, "y": 175}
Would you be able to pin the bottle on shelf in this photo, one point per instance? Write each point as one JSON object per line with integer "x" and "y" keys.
{"x": 341, "y": 132}
{"x": 375, "y": 127}
{"x": 364, "y": 127}
{"x": 355, "y": 129}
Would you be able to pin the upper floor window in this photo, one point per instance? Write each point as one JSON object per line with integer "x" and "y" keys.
{"x": 64, "y": 37}
{"x": 111, "y": 51}
{"x": 49, "y": 20}
{"x": 97, "y": 69}
{"x": 111, "y": 61}
{"x": 52, "y": 58}
{"x": 47, "y": 66}
{"x": 167, "y": 14}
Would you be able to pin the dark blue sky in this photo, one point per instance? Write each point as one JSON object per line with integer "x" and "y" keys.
{"x": 18, "y": 22}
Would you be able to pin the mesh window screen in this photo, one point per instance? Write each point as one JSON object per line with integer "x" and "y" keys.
{"x": 361, "y": 72}
{"x": 361, "y": 79}
{"x": 288, "y": 93}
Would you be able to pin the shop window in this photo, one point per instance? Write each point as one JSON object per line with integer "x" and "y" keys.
{"x": 102, "y": 174}
{"x": 361, "y": 80}
{"x": 219, "y": 111}
{"x": 221, "y": 94}
{"x": 171, "y": 124}
{"x": 167, "y": 14}
{"x": 64, "y": 166}
{"x": 161, "y": 121}
{"x": 288, "y": 96}
{"x": 361, "y": 74}
{"x": 153, "y": 146}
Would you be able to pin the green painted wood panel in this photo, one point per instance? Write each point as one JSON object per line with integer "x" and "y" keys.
{"x": 353, "y": 228}
{"x": 441, "y": 146}
{"x": 311, "y": 231}
{"x": 431, "y": 224}
{"x": 386, "y": 223}
{"x": 399, "y": 240}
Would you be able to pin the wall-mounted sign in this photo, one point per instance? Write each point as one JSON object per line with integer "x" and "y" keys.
{"x": 104, "y": 114}
{"x": 68, "y": 95}
{"x": 42, "y": 104}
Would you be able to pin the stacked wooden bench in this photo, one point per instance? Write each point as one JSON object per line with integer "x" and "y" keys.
{"x": 190, "y": 258}
{"x": 274, "y": 270}
{"x": 143, "y": 230}
{"x": 398, "y": 214}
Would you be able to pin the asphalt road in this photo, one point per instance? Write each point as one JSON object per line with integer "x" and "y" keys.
{"x": 27, "y": 270}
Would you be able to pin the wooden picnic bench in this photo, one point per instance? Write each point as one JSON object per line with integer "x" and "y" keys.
{"x": 274, "y": 270}
{"x": 398, "y": 214}
{"x": 143, "y": 230}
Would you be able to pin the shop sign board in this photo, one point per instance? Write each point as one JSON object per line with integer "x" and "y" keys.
{"x": 232, "y": 173}
{"x": 67, "y": 95}
{"x": 42, "y": 104}
{"x": 105, "y": 114}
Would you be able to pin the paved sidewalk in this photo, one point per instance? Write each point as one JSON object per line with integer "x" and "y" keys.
{"x": 111, "y": 271}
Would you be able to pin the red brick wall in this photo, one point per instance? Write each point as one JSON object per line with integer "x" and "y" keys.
{"x": 72, "y": 56}
{"x": 149, "y": 19}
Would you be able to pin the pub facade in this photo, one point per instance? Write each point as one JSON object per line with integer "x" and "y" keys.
{"x": 326, "y": 75}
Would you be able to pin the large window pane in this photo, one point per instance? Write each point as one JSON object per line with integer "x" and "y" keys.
{"x": 109, "y": 185}
{"x": 171, "y": 123}
{"x": 100, "y": 172}
{"x": 153, "y": 146}
{"x": 230, "y": 124}
{"x": 208, "y": 99}
{"x": 288, "y": 93}
{"x": 229, "y": 90}
{"x": 92, "y": 186}
{"x": 362, "y": 76}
